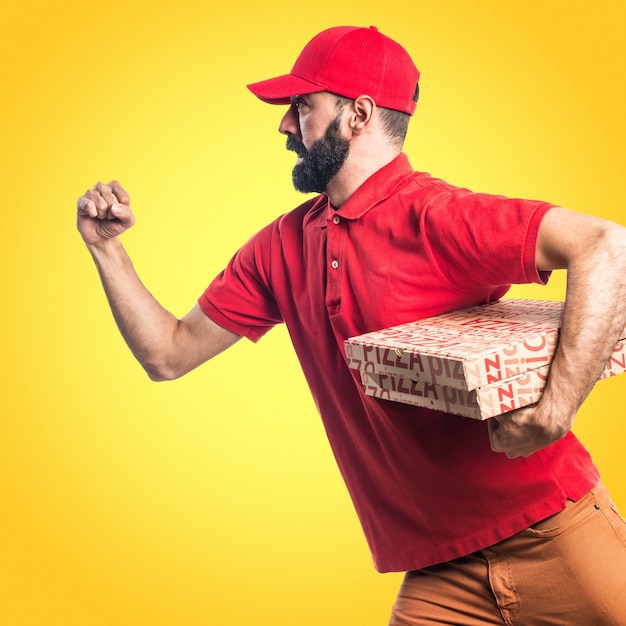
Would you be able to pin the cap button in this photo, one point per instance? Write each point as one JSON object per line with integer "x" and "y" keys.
{"x": 374, "y": 28}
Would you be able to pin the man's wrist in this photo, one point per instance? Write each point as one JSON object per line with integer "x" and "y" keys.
{"x": 104, "y": 246}
{"x": 555, "y": 412}
{"x": 109, "y": 253}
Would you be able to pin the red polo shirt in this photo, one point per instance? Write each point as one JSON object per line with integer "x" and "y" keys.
{"x": 426, "y": 486}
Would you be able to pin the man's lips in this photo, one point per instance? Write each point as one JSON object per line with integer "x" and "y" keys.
{"x": 301, "y": 153}
{"x": 300, "y": 156}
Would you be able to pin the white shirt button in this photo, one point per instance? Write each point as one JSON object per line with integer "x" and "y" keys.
{"x": 335, "y": 264}
{"x": 336, "y": 219}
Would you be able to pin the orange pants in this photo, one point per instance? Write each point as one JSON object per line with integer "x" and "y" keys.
{"x": 568, "y": 570}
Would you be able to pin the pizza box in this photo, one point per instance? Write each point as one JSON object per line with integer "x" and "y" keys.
{"x": 479, "y": 403}
{"x": 466, "y": 349}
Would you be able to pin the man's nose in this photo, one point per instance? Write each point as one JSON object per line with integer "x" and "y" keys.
{"x": 290, "y": 125}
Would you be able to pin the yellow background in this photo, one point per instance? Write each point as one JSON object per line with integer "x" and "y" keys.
{"x": 215, "y": 499}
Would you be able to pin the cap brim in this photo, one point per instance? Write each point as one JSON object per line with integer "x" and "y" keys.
{"x": 281, "y": 89}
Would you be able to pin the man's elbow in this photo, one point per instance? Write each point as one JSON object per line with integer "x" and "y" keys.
{"x": 606, "y": 248}
{"x": 568, "y": 240}
{"x": 615, "y": 241}
{"x": 159, "y": 376}
{"x": 161, "y": 371}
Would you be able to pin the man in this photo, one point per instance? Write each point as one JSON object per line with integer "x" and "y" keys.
{"x": 503, "y": 522}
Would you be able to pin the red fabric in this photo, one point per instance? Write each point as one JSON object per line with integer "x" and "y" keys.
{"x": 426, "y": 486}
{"x": 350, "y": 62}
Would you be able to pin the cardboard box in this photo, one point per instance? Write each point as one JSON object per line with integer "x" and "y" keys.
{"x": 465, "y": 349}
{"x": 481, "y": 403}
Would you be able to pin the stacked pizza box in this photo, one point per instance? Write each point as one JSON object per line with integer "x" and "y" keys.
{"x": 477, "y": 362}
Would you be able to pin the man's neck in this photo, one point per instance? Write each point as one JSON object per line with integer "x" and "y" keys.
{"x": 355, "y": 171}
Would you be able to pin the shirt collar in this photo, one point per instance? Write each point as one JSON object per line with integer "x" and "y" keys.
{"x": 375, "y": 189}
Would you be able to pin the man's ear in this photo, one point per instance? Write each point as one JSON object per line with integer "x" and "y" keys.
{"x": 361, "y": 113}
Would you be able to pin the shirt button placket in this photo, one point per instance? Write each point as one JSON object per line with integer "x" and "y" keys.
{"x": 335, "y": 262}
{"x": 335, "y": 241}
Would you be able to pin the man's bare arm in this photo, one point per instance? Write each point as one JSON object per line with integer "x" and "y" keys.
{"x": 594, "y": 253}
{"x": 165, "y": 346}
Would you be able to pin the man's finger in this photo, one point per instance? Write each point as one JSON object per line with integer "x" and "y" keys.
{"x": 106, "y": 193}
{"x": 86, "y": 207}
{"x": 100, "y": 204}
{"x": 123, "y": 214}
{"x": 493, "y": 425}
{"x": 501, "y": 441}
{"x": 120, "y": 193}
{"x": 506, "y": 439}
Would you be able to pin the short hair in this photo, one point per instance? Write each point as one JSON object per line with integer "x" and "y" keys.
{"x": 395, "y": 123}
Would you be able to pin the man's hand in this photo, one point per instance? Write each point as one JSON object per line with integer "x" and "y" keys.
{"x": 103, "y": 213}
{"x": 524, "y": 431}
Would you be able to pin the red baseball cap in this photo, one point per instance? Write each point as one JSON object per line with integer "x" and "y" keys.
{"x": 348, "y": 61}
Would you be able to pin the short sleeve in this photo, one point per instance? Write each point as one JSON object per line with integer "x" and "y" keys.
{"x": 240, "y": 298}
{"x": 482, "y": 239}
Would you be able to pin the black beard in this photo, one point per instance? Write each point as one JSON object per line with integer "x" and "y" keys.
{"x": 321, "y": 162}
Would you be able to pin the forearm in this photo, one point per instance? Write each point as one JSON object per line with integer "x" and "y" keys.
{"x": 594, "y": 253}
{"x": 146, "y": 326}
{"x": 593, "y": 318}
{"x": 165, "y": 346}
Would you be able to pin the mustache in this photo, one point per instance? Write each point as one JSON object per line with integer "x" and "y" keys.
{"x": 296, "y": 146}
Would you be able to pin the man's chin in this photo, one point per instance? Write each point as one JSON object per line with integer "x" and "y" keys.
{"x": 304, "y": 185}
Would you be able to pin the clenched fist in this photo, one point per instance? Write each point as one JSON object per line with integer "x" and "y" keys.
{"x": 526, "y": 430}
{"x": 104, "y": 212}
